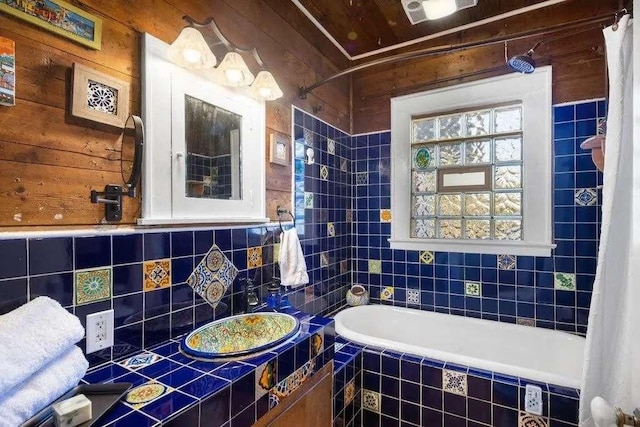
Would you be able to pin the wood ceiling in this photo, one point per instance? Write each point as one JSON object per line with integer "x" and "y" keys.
{"x": 364, "y": 26}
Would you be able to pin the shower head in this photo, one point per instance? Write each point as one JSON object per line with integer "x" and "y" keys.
{"x": 524, "y": 63}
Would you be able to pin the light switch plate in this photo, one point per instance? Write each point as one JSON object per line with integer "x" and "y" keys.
{"x": 99, "y": 331}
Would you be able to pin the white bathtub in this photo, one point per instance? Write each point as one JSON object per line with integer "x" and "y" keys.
{"x": 534, "y": 353}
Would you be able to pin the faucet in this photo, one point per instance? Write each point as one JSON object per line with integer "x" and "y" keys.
{"x": 250, "y": 297}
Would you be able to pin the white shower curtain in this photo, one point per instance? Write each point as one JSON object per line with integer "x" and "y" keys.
{"x": 612, "y": 363}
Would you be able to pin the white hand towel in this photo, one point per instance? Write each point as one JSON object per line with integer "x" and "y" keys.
{"x": 293, "y": 268}
{"x": 49, "y": 383}
{"x": 33, "y": 335}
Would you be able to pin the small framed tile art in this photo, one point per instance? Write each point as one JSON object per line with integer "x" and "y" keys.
{"x": 99, "y": 97}
{"x": 279, "y": 149}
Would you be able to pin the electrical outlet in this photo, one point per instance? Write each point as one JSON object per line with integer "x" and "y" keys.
{"x": 533, "y": 399}
{"x": 99, "y": 331}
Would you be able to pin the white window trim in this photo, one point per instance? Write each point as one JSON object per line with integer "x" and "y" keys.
{"x": 534, "y": 92}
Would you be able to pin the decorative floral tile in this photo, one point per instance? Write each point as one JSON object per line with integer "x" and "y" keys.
{"x": 310, "y": 156}
{"x": 506, "y": 262}
{"x": 308, "y": 200}
{"x": 386, "y": 294}
{"x": 316, "y": 344}
{"x": 348, "y": 215}
{"x": 525, "y": 321}
{"x": 586, "y": 196}
{"x": 308, "y": 137}
{"x": 564, "y": 281}
{"x": 413, "y": 296}
{"x": 375, "y": 266}
{"x": 140, "y": 360}
{"x": 602, "y": 126}
{"x": 385, "y": 215}
{"x": 309, "y": 294}
{"x": 92, "y": 285}
{"x": 146, "y": 393}
{"x": 344, "y": 266}
{"x": 472, "y": 289}
{"x": 291, "y": 383}
{"x": 371, "y": 400}
{"x": 324, "y": 259}
{"x": 276, "y": 251}
{"x": 324, "y": 172}
{"x": 528, "y": 420}
{"x": 331, "y": 229}
{"x": 454, "y": 382}
{"x": 426, "y": 257}
{"x": 349, "y": 392}
{"x": 362, "y": 178}
{"x": 157, "y": 274}
{"x": 344, "y": 165}
{"x": 266, "y": 375}
{"x": 213, "y": 276}
{"x": 254, "y": 257}
{"x": 331, "y": 146}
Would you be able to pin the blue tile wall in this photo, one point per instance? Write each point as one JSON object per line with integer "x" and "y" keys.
{"x": 524, "y": 293}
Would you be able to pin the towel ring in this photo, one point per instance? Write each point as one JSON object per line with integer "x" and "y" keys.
{"x": 280, "y": 211}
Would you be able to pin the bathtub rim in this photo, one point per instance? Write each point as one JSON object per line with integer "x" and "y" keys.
{"x": 533, "y": 375}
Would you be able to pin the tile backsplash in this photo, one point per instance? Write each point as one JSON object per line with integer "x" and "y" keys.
{"x": 342, "y": 210}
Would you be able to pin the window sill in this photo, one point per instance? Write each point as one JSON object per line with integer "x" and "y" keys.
{"x": 475, "y": 247}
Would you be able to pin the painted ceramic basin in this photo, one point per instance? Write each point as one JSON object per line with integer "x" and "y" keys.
{"x": 240, "y": 335}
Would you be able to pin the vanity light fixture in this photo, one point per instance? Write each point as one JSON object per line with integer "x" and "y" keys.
{"x": 191, "y": 50}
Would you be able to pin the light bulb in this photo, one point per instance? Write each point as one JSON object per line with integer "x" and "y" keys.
{"x": 233, "y": 75}
{"x": 192, "y": 56}
{"x": 265, "y": 92}
{"x": 436, "y": 9}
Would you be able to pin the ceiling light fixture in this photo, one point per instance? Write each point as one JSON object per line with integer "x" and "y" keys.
{"x": 436, "y": 9}
{"x": 190, "y": 50}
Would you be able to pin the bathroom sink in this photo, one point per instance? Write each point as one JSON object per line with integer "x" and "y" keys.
{"x": 240, "y": 335}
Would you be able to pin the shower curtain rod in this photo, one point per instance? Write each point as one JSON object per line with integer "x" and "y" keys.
{"x": 430, "y": 51}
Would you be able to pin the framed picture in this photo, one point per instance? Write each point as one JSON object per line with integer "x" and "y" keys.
{"x": 59, "y": 17}
{"x": 7, "y": 72}
{"x": 279, "y": 149}
{"x": 99, "y": 97}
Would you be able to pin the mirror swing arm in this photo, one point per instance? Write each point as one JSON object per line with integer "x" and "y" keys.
{"x": 112, "y": 195}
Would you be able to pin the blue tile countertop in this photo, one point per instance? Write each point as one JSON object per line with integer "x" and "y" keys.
{"x": 172, "y": 389}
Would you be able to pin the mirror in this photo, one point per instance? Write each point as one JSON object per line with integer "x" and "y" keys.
{"x": 213, "y": 159}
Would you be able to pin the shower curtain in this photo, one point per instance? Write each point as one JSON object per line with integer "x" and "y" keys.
{"x": 612, "y": 361}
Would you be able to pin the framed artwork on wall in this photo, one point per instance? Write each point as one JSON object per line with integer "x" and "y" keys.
{"x": 279, "y": 149}
{"x": 59, "y": 17}
{"x": 7, "y": 72}
{"x": 99, "y": 97}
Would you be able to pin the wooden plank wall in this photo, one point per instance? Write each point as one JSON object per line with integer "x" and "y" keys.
{"x": 49, "y": 161}
{"x": 577, "y": 60}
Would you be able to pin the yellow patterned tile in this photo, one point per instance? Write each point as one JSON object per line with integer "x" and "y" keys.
{"x": 92, "y": 285}
{"x": 157, "y": 274}
{"x": 375, "y": 266}
{"x": 426, "y": 257}
{"x": 386, "y": 293}
{"x": 254, "y": 257}
{"x": 385, "y": 215}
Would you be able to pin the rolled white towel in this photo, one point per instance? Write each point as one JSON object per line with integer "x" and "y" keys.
{"x": 33, "y": 335}
{"x": 49, "y": 383}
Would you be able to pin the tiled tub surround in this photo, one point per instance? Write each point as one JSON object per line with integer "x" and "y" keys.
{"x": 323, "y": 192}
{"x": 347, "y": 382}
{"x": 174, "y": 390}
{"x": 401, "y": 388}
{"x": 142, "y": 276}
{"x": 551, "y": 292}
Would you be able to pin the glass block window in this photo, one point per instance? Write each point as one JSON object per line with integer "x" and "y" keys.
{"x": 466, "y": 177}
